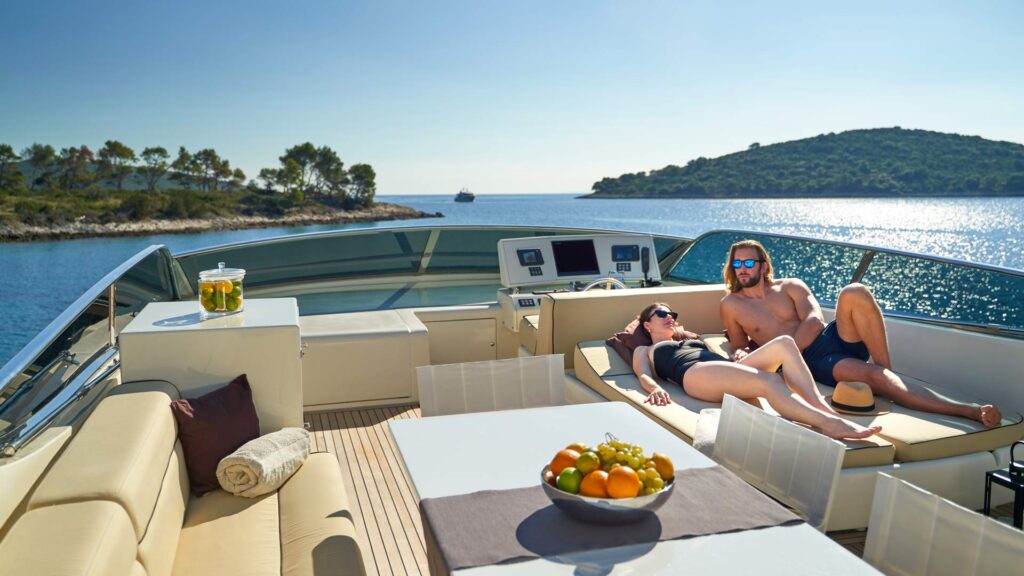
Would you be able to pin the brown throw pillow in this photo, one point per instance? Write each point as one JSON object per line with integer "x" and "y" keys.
{"x": 634, "y": 335}
{"x": 211, "y": 427}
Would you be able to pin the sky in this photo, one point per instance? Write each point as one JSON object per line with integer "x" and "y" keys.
{"x": 501, "y": 97}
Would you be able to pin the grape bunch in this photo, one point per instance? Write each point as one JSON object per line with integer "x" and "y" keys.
{"x": 614, "y": 453}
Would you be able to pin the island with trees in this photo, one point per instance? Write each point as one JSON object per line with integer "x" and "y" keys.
{"x": 882, "y": 162}
{"x": 78, "y": 192}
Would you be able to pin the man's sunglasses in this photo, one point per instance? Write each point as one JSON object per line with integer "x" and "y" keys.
{"x": 748, "y": 263}
{"x": 663, "y": 314}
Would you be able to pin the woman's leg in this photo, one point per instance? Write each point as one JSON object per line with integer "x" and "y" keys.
{"x": 782, "y": 351}
{"x": 711, "y": 381}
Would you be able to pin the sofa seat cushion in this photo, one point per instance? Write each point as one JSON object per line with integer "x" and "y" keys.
{"x": 120, "y": 454}
{"x": 927, "y": 436}
{"x": 228, "y": 535}
{"x": 317, "y": 532}
{"x": 602, "y": 369}
{"x": 528, "y": 333}
{"x": 93, "y": 538}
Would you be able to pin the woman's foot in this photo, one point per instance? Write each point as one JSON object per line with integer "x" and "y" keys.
{"x": 845, "y": 430}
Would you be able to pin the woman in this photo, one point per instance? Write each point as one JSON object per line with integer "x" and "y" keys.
{"x": 707, "y": 376}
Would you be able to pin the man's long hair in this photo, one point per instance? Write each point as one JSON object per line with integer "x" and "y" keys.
{"x": 732, "y": 284}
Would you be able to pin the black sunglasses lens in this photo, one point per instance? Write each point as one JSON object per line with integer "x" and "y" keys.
{"x": 666, "y": 314}
{"x": 737, "y": 263}
{"x": 749, "y": 263}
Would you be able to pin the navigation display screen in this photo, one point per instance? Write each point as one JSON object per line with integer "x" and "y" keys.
{"x": 627, "y": 253}
{"x": 575, "y": 257}
{"x": 530, "y": 257}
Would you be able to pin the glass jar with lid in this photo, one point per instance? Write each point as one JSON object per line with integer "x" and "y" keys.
{"x": 220, "y": 291}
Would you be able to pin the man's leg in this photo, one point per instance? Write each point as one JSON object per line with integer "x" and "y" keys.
{"x": 859, "y": 319}
{"x": 885, "y": 382}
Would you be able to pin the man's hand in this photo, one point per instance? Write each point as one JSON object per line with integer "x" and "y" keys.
{"x": 739, "y": 354}
{"x": 658, "y": 398}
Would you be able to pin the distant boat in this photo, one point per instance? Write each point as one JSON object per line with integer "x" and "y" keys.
{"x": 465, "y": 195}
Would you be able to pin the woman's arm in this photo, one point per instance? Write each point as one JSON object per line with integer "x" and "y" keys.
{"x": 656, "y": 395}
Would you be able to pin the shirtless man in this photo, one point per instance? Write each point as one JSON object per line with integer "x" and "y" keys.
{"x": 759, "y": 308}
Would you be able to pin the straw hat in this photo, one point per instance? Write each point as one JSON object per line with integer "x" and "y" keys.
{"x": 856, "y": 398}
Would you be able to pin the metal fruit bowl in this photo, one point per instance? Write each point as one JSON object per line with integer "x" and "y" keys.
{"x": 605, "y": 510}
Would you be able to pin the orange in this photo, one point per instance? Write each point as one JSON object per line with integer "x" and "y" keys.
{"x": 663, "y": 464}
{"x": 225, "y": 286}
{"x": 564, "y": 459}
{"x": 578, "y": 446}
{"x": 623, "y": 483}
{"x": 595, "y": 484}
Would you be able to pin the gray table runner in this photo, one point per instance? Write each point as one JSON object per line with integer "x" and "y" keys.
{"x": 502, "y": 526}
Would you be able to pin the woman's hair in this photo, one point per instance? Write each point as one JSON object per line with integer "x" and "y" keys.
{"x": 729, "y": 273}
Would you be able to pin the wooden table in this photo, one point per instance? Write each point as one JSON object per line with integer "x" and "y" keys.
{"x": 516, "y": 444}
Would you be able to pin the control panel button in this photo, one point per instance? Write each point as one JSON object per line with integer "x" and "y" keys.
{"x": 536, "y": 271}
{"x": 623, "y": 267}
{"x": 527, "y": 303}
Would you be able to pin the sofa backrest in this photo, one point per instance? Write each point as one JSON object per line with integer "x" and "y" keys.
{"x": 567, "y": 318}
{"x": 127, "y": 455}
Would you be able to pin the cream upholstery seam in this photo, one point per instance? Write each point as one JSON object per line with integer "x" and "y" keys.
{"x": 151, "y": 431}
{"x": 156, "y": 502}
{"x": 95, "y": 551}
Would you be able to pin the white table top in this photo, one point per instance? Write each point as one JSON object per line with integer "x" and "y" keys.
{"x": 522, "y": 441}
{"x": 184, "y": 316}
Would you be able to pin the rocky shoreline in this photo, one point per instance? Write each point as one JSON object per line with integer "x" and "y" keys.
{"x": 379, "y": 212}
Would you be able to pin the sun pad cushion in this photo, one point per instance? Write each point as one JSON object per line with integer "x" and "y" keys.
{"x": 601, "y": 368}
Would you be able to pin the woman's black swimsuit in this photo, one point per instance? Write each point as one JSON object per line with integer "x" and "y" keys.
{"x": 671, "y": 361}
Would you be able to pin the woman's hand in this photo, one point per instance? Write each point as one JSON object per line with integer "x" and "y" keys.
{"x": 658, "y": 397}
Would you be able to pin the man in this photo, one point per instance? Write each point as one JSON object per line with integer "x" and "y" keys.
{"x": 758, "y": 308}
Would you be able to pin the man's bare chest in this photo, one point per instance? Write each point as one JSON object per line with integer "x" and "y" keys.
{"x": 775, "y": 308}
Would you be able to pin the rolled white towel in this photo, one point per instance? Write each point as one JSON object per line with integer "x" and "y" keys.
{"x": 262, "y": 465}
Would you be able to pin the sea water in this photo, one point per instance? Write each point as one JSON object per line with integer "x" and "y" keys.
{"x": 40, "y": 279}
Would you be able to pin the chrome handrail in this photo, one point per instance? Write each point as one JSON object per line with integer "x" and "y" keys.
{"x": 26, "y": 386}
{"x": 45, "y": 338}
{"x": 83, "y": 381}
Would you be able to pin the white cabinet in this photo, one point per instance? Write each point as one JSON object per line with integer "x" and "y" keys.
{"x": 362, "y": 358}
{"x": 169, "y": 341}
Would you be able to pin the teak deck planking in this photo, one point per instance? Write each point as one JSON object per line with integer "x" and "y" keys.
{"x": 384, "y": 506}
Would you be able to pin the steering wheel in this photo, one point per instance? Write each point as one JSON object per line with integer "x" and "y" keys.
{"x": 609, "y": 284}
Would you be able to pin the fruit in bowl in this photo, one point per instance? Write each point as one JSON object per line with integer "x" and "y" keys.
{"x": 611, "y": 483}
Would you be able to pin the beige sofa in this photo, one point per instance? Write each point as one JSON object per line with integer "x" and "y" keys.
{"x": 117, "y": 502}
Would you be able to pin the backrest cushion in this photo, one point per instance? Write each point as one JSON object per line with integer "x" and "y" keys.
{"x": 212, "y": 426}
{"x": 120, "y": 455}
{"x": 92, "y": 538}
{"x": 567, "y": 318}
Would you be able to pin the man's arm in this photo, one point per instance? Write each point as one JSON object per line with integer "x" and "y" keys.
{"x": 738, "y": 339}
{"x": 812, "y": 321}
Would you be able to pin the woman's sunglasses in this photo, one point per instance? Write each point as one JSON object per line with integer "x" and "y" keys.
{"x": 748, "y": 263}
{"x": 663, "y": 314}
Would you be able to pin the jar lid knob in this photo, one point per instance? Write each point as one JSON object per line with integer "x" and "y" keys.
{"x": 220, "y": 267}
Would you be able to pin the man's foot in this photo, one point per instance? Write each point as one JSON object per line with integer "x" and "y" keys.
{"x": 845, "y": 430}
{"x": 988, "y": 415}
